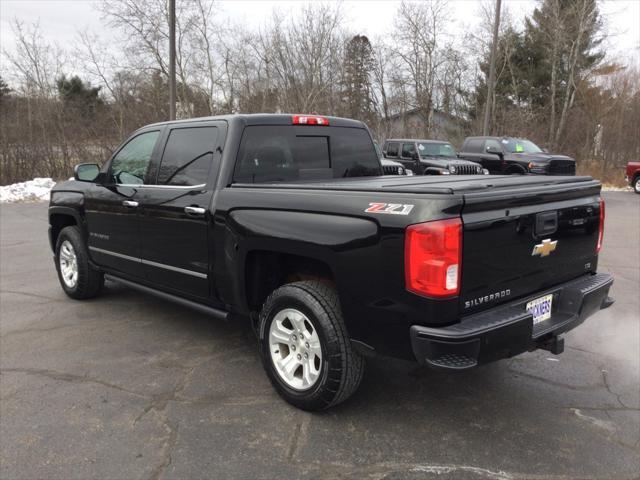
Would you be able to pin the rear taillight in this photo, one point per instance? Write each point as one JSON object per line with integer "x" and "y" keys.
{"x": 432, "y": 258}
{"x": 310, "y": 120}
{"x": 600, "y": 227}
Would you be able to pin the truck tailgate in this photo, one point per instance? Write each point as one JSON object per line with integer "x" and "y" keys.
{"x": 520, "y": 239}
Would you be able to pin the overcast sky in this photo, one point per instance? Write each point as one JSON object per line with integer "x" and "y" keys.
{"x": 60, "y": 20}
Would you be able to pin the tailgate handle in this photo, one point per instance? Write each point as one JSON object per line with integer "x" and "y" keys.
{"x": 546, "y": 223}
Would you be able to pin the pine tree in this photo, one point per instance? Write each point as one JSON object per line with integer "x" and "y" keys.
{"x": 358, "y": 67}
{"x": 4, "y": 89}
{"x": 79, "y": 97}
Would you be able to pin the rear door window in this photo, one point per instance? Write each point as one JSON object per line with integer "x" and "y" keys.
{"x": 289, "y": 153}
{"x": 490, "y": 142}
{"x": 473, "y": 145}
{"x": 187, "y": 156}
{"x": 408, "y": 149}
{"x": 392, "y": 149}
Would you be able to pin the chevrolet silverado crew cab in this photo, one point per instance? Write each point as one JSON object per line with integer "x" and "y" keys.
{"x": 508, "y": 155}
{"x": 429, "y": 157}
{"x": 287, "y": 222}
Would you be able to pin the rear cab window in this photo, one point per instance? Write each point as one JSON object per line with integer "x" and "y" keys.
{"x": 270, "y": 153}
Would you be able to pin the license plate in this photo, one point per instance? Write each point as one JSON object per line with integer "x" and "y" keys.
{"x": 540, "y": 308}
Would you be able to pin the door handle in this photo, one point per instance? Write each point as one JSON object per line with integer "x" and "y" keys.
{"x": 130, "y": 203}
{"x": 194, "y": 211}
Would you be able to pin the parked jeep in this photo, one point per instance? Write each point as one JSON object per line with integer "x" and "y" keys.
{"x": 389, "y": 167}
{"x": 429, "y": 157}
{"x": 509, "y": 155}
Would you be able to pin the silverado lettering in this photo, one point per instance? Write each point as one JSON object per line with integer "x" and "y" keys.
{"x": 487, "y": 298}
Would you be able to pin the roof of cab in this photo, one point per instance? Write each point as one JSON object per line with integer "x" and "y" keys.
{"x": 264, "y": 119}
{"x": 421, "y": 140}
{"x": 493, "y": 137}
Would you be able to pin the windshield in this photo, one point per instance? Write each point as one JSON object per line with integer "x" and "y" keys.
{"x": 436, "y": 150}
{"x": 519, "y": 145}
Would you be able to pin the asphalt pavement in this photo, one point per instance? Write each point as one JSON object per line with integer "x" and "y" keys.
{"x": 127, "y": 386}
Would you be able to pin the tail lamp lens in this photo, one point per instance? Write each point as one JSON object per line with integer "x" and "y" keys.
{"x": 433, "y": 252}
{"x": 600, "y": 227}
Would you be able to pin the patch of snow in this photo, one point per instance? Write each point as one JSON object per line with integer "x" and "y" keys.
{"x": 36, "y": 190}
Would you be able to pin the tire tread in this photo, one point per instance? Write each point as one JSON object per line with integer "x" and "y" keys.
{"x": 90, "y": 280}
{"x": 344, "y": 381}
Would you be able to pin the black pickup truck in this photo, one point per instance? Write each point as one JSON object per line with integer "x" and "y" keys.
{"x": 287, "y": 222}
{"x": 509, "y": 155}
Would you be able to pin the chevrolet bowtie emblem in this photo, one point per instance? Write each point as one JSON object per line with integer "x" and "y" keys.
{"x": 545, "y": 248}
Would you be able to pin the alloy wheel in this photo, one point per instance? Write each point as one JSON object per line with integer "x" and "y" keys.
{"x": 68, "y": 264}
{"x": 295, "y": 349}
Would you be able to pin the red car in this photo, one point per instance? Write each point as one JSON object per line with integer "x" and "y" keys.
{"x": 633, "y": 175}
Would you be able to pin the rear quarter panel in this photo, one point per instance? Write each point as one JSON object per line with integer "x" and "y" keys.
{"x": 364, "y": 251}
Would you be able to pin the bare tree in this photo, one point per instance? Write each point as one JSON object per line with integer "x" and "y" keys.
{"x": 419, "y": 46}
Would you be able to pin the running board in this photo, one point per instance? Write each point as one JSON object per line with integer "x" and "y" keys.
{"x": 207, "y": 310}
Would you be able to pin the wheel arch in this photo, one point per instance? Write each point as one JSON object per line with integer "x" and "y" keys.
{"x": 59, "y": 218}
{"x": 430, "y": 170}
{"x": 515, "y": 169}
{"x": 266, "y": 270}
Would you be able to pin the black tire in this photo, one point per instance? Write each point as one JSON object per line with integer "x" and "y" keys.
{"x": 89, "y": 281}
{"x": 342, "y": 368}
{"x": 636, "y": 184}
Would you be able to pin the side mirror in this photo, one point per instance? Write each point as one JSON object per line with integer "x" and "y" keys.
{"x": 415, "y": 156}
{"x": 86, "y": 172}
{"x": 545, "y": 150}
{"x": 493, "y": 150}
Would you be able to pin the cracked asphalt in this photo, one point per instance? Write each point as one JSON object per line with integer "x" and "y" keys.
{"x": 126, "y": 386}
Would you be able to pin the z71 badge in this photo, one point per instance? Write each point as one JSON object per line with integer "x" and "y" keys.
{"x": 390, "y": 208}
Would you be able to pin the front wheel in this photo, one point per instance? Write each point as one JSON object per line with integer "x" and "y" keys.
{"x": 636, "y": 184}
{"x": 77, "y": 277}
{"x": 305, "y": 347}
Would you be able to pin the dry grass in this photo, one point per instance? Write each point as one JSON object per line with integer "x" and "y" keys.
{"x": 612, "y": 176}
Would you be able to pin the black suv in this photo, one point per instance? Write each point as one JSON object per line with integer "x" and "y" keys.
{"x": 509, "y": 155}
{"x": 429, "y": 157}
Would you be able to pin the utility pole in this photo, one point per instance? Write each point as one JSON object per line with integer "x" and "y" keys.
{"x": 492, "y": 70}
{"x": 172, "y": 59}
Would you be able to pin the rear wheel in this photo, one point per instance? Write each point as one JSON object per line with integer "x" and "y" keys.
{"x": 636, "y": 184}
{"x": 305, "y": 347}
{"x": 77, "y": 278}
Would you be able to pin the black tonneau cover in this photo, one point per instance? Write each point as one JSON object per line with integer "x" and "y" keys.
{"x": 473, "y": 186}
